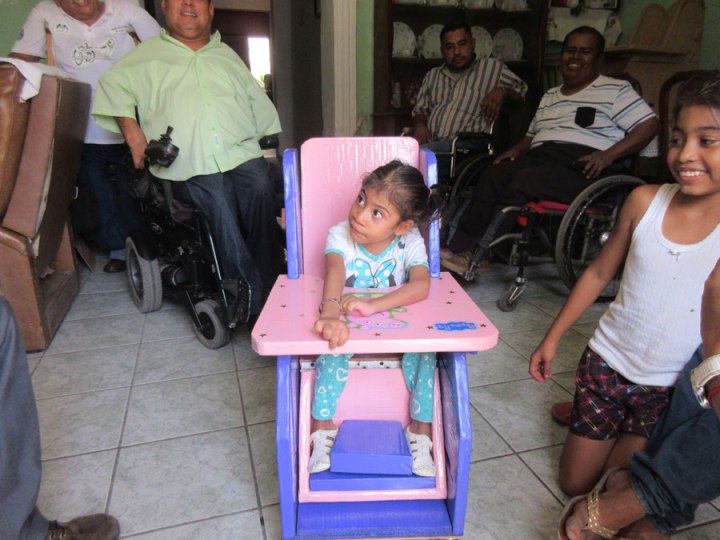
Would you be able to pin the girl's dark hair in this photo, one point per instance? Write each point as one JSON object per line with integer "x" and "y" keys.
{"x": 405, "y": 186}
{"x": 703, "y": 90}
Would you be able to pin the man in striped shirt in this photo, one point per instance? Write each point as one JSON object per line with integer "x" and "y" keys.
{"x": 579, "y": 129}
{"x": 465, "y": 94}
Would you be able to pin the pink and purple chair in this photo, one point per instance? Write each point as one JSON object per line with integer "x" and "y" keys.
{"x": 320, "y": 184}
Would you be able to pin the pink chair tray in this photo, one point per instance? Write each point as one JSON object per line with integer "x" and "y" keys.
{"x": 448, "y": 320}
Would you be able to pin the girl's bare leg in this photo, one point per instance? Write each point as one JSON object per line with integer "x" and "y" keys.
{"x": 321, "y": 424}
{"x": 420, "y": 428}
{"x": 583, "y": 461}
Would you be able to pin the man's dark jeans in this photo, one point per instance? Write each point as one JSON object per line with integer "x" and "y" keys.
{"x": 240, "y": 207}
{"x": 104, "y": 171}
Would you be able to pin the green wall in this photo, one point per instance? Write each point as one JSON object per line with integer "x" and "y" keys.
{"x": 709, "y": 59}
{"x": 12, "y": 15}
{"x": 364, "y": 59}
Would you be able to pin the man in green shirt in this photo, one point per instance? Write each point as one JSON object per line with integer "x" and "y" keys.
{"x": 186, "y": 78}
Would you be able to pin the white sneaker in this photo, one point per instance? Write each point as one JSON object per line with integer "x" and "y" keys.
{"x": 420, "y": 448}
{"x": 322, "y": 442}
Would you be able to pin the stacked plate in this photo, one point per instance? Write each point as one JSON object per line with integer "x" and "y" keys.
{"x": 507, "y": 45}
{"x": 477, "y": 4}
{"x": 404, "y": 43}
{"x": 429, "y": 41}
{"x": 483, "y": 42}
{"x": 511, "y": 5}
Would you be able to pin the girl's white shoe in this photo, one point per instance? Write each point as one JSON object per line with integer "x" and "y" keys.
{"x": 420, "y": 448}
{"x": 322, "y": 442}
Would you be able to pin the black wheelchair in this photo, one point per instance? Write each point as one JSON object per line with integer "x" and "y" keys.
{"x": 177, "y": 255}
{"x": 572, "y": 235}
{"x": 569, "y": 235}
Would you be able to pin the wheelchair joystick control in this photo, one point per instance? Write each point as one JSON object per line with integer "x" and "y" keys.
{"x": 162, "y": 152}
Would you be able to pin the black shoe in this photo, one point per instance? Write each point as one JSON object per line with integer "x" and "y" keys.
{"x": 113, "y": 266}
{"x": 240, "y": 299}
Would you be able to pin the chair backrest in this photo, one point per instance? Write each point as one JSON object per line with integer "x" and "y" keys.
{"x": 331, "y": 171}
{"x": 13, "y": 123}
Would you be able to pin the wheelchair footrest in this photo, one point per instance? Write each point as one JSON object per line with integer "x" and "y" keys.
{"x": 239, "y": 302}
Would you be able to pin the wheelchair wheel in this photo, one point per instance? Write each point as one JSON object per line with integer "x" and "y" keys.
{"x": 469, "y": 172}
{"x": 460, "y": 194}
{"x": 213, "y": 333}
{"x": 509, "y": 300}
{"x": 586, "y": 226}
{"x": 144, "y": 279}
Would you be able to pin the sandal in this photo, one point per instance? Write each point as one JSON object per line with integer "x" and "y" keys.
{"x": 593, "y": 508}
{"x": 322, "y": 442}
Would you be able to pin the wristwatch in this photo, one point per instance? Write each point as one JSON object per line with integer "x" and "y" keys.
{"x": 709, "y": 368}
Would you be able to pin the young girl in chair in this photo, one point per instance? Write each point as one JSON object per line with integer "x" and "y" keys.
{"x": 378, "y": 246}
{"x": 668, "y": 239}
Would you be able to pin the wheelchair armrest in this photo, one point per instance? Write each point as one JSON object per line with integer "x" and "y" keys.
{"x": 269, "y": 141}
{"x": 472, "y": 136}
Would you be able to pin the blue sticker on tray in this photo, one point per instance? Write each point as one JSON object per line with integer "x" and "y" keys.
{"x": 455, "y": 326}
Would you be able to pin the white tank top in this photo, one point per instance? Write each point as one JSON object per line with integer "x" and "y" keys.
{"x": 652, "y": 327}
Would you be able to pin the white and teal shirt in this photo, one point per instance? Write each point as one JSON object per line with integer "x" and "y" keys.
{"x": 389, "y": 268}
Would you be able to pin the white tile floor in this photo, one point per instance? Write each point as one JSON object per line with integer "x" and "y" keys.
{"x": 177, "y": 441}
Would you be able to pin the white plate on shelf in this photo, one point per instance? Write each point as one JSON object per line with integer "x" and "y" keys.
{"x": 483, "y": 42}
{"x": 511, "y": 5}
{"x": 477, "y": 4}
{"x": 507, "y": 45}
{"x": 429, "y": 41}
{"x": 404, "y": 43}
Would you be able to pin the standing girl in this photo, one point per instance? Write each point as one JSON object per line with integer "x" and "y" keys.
{"x": 668, "y": 239}
{"x": 378, "y": 246}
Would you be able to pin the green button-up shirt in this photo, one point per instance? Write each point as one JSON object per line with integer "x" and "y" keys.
{"x": 217, "y": 110}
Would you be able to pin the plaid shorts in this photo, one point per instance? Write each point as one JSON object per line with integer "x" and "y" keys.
{"x": 607, "y": 404}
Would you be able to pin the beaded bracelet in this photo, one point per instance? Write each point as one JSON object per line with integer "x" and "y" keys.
{"x": 331, "y": 299}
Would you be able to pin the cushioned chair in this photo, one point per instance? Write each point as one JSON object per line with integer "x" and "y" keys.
{"x": 40, "y": 147}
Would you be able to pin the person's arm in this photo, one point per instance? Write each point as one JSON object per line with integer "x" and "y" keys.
{"x": 26, "y": 57}
{"x": 415, "y": 290}
{"x": 267, "y": 121}
{"x": 135, "y": 139}
{"x": 421, "y": 111}
{"x": 329, "y": 325}
{"x": 31, "y": 46}
{"x": 510, "y": 92}
{"x": 515, "y": 151}
{"x": 636, "y": 139}
{"x": 710, "y": 328}
{"x": 421, "y": 131}
{"x": 593, "y": 280}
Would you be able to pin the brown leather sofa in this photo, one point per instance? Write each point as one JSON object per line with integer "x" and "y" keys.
{"x": 40, "y": 147}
